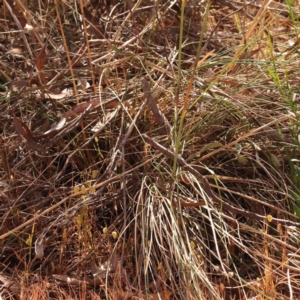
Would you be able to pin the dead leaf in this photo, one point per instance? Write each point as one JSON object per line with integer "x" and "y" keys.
{"x": 40, "y": 62}
{"x": 39, "y": 249}
{"x": 68, "y": 280}
{"x": 106, "y": 118}
{"x": 93, "y": 27}
{"x": 35, "y": 146}
{"x": 22, "y": 129}
{"x": 17, "y": 85}
{"x": 65, "y": 280}
{"x": 80, "y": 108}
{"x": 17, "y": 51}
{"x": 158, "y": 115}
{"x": 30, "y": 28}
{"x": 100, "y": 272}
{"x": 56, "y": 127}
{"x": 53, "y": 96}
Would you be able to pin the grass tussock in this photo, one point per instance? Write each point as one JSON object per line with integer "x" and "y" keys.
{"x": 149, "y": 149}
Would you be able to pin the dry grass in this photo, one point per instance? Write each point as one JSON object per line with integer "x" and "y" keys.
{"x": 134, "y": 168}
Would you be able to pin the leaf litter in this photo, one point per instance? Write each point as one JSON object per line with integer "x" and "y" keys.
{"x": 112, "y": 107}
